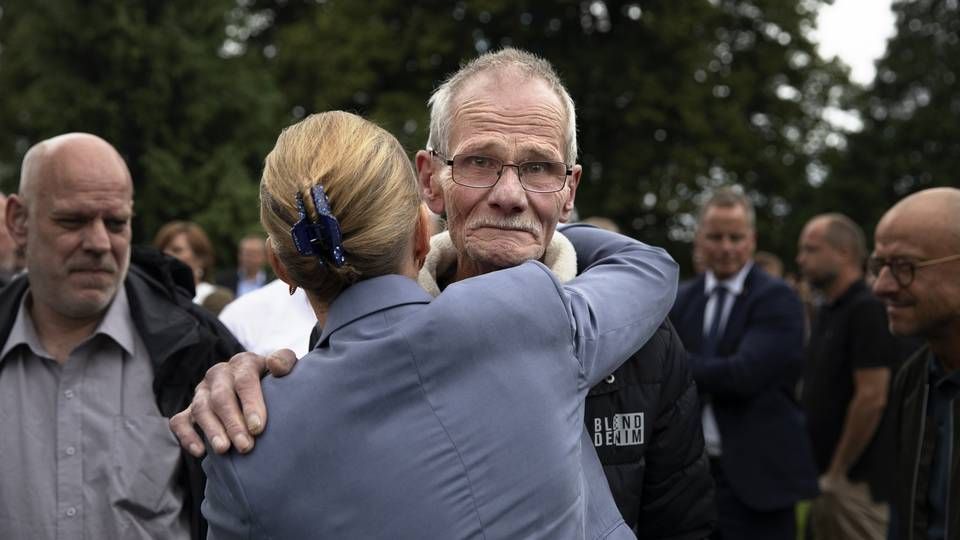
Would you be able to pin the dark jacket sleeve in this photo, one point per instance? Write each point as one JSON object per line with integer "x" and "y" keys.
{"x": 768, "y": 352}
{"x": 678, "y": 498}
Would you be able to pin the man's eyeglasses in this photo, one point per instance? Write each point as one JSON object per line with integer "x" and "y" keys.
{"x": 903, "y": 270}
{"x": 483, "y": 172}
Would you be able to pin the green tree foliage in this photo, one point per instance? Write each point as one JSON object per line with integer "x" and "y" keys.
{"x": 679, "y": 97}
{"x": 151, "y": 78}
{"x": 673, "y": 97}
{"x": 911, "y": 137}
{"x": 380, "y": 58}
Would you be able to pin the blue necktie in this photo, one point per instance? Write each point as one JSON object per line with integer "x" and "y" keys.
{"x": 713, "y": 336}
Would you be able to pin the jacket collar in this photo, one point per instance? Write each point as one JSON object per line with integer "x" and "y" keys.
{"x": 560, "y": 257}
{"x": 162, "y": 329}
{"x": 736, "y": 319}
{"x": 370, "y": 296}
{"x": 160, "y": 292}
{"x": 114, "y": 324}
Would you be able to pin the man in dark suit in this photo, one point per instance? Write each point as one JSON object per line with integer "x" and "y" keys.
{"x": 252, "y": 270}
{"x": 743, "y": 331}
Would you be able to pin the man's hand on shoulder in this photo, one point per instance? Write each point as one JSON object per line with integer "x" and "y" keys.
{"x": 228, "y": 403}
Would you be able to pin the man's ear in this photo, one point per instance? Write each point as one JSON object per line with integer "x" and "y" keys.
{"x": 428, "y": 175}
{"x": 573, "y": 181}
{"x": 16, "y": 220}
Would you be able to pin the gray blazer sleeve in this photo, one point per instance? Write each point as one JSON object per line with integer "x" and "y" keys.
{"x": 225, "y": 505}
{"x": 619, "y": 300}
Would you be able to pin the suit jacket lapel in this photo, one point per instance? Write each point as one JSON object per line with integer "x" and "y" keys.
{"x": 694, "y": 317}
{"x": 736, "y": 318}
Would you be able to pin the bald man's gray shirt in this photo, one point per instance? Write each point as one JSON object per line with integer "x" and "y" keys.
{"x": 460, "y": 417}
{"x": 87, "y": 453}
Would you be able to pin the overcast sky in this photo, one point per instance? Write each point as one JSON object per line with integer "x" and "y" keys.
{"x": 857, "y": 32}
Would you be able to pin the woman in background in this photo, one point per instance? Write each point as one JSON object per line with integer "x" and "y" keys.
{"x": 187, "y": 242}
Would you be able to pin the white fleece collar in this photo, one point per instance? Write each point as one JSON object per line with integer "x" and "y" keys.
{"x": 560, "y": 258}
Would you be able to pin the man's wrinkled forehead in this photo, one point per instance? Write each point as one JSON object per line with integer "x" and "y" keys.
{"x": 506, "y": 111}
{"x": 94, "y": 189}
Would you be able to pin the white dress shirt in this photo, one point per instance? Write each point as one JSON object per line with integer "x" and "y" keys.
{"x": 734, "y": 286}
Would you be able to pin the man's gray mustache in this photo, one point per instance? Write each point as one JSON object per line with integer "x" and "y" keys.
{"x": 509, "y": 224}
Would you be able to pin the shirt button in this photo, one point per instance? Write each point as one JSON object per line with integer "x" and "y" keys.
{"x": 71, "y": 511}
{"x": 68, "y": 394}
{"x": 610, "y": 379}
{"x": 71, "y": 450}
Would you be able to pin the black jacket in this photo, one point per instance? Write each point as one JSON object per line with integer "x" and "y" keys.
{"x": 914, "y": 451}
{"x": 182, "y": 338}
{"x": 661, "y": 478}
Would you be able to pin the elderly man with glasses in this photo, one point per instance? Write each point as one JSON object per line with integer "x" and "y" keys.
{"x": 500, "y": 165}
{"x": 917, "y": 267}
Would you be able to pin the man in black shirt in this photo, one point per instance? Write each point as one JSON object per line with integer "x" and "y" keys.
{"x": 845, "y": 387}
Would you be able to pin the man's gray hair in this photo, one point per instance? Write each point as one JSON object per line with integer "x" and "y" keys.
{"x": 727, "y": 198}
{"x": 443, "y": 108}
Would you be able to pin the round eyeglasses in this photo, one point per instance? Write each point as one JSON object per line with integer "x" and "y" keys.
{"x": 478, "y": 171}
{"x": 903, "y": 270}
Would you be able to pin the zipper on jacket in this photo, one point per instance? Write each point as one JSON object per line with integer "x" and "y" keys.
{"x": 916, "y": 467}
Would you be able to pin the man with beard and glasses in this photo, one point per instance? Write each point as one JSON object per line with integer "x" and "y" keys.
{"x": 916, "y": 262}
{"x": 96, "y": 353}
{"x": 500, "y": 165}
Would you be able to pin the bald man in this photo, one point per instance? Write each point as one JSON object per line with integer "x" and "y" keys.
{"x": 917, "y": 266}
{"x": 96, "y": 353}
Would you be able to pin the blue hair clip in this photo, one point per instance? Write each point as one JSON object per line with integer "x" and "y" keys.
{"x": 323, "y": 238}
